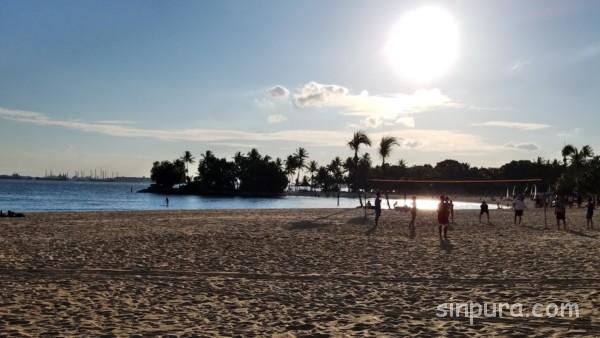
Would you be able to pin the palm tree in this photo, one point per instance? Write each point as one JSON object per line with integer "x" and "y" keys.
{"x": 313, "y": 167}
{"x": 290, "y": 166}
{"x": 337, "y": 171}
{"x": 187, "y": 158}
{"x": 576, "y": 157}
{"x": 254, "y": 155}
{"x": 357, "y": 140}
{"x": 278, "y": 163}
{"x": 300, "y": 155}
{"x": 365, "y": 160}
{"x": 385, "y": 147}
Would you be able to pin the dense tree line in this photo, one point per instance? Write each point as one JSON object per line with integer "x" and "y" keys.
{"x": 249, "y": 173}
{"x": 578, "y": 172}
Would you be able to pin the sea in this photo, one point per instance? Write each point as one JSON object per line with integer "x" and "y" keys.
{"x": 22, "y": 195}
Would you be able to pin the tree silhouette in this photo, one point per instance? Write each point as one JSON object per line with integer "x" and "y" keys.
{"x": 576, "y": 160}
{"x": 166, "y": 173}
{"x": 385, "y": 147}
{"x": 300, "y": 162}
{"x": 579, "y": 171}
{"x": 187, "y": 158}
{"x": 359, "y": 138}
{"x": 290, "y": 166}
{"x": 335, "y": 168}
{"x": 575, "y": 157}
{"x": 216, "y": 175}
{"x": 258, "y": 174}
{"x": 313, "y": 167}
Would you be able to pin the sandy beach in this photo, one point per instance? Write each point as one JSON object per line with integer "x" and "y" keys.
{"x": 290, "y": 273}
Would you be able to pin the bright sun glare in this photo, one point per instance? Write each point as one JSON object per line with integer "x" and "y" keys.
{"x": 423, "y": 45}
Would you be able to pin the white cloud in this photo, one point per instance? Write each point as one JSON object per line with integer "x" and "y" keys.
{"x": 570, "y": 133}
{"x": 436, "y": 140}
{"x": 315, "y": 94}
{"x": 512, "y": 125}
{"x": 485, "y": 108}
{"x": 519, "y": 65}
{"x": 378, "y": 108}
{"x": 276, "y": 118}
{"x": 372, "y": 122}
{"x": 406, "y": 121}
{"x": 278, "y": 92}
{"x": 523, "y": 146}
{"x": 115, "y": 122}
{"x": 429, "y": 140}
{"x": 410, "y": 144}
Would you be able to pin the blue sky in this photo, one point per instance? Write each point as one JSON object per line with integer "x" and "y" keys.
{"x": 119, "y": 84}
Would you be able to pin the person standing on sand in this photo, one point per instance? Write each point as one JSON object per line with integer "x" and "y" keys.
{"x": 442, "y": 214}
{"x": 519, "y": 206}
{"x": 561, "y": 213}
{"x": 377, "y": 208}
{"x": 451, "y": 206}
{"x": 413, "y": 214}
{"x": 167, "y": 202}
{"x": 589, "y": 215}
{"x": 484, "y": 209}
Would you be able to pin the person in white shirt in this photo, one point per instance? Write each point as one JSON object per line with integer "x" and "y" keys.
{"x": 518, "y": 206}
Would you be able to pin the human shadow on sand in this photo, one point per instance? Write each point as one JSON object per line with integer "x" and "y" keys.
{"x": 371, "y": 231}
{"x": 412, "y": 234}
{"x": 333, "y": 214}
{"x": 359, "y": 220}
{"x": 306, "y": 225}
{"x": 532, "y": 227}
{"x": 579, "y": 233}
{"x": 446, "y": 245}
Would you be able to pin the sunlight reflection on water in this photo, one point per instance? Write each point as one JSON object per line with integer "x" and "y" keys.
{"x": 30, "y": 195}
{"x": 428, "y": 204}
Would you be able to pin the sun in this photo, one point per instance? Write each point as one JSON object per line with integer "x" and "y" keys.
{"x": 423, "y": 45}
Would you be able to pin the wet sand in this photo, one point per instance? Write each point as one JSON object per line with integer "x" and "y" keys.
{"x": 290, "y": 273}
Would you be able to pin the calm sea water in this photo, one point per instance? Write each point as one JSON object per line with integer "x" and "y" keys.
{"x": 29, "y": 195}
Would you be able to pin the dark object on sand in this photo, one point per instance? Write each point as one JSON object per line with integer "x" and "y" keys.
{"x": 11, "y": 214}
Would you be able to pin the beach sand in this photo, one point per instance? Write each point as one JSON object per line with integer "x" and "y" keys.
{"x": 290, "y": 273}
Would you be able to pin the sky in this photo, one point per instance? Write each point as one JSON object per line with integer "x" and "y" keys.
{"x": 121, "y": 84}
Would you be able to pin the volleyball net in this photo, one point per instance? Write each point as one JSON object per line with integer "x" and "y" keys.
{"x": 508, "y": 187}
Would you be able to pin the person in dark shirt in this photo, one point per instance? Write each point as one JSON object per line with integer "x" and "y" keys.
{"x": 377, "y": 208}
{"x": 561, "y": 213}
{"x": 413, "y": 214}
{"x": 484, "y": 209}
{"x": 442, "y": 213}
{"x": 589, "y": 215}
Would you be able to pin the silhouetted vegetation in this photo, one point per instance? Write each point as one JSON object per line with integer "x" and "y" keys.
{"x": 578, "y": 172}
{"x": 166, "y": 173}
{"x": 215, "y": 174}
{"x": 187, "y": 158}
{"x": 250, "y": 173}
{"x": 260, "y": 174}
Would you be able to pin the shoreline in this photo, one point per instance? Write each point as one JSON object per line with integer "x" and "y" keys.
{"x": 329, "y": 194}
